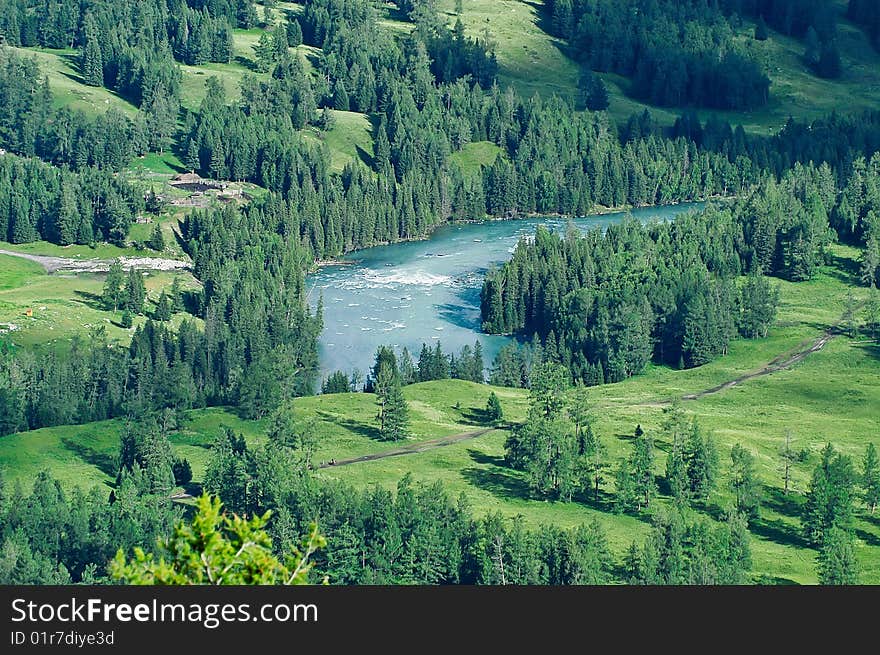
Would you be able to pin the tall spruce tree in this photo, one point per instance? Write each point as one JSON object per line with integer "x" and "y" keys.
{"x": 395, "y": 414}
{"x": 830, "y": 497}
{"x": 837, "y": 559}
{"x": 870, "y": 478}
{"x": 744, "y": 483}
{"x": 91, "y": 60}
{"x": 135, "y": 292}
{"x": 114, "y": 284}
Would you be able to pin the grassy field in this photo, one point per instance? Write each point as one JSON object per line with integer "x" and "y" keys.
{"x": 831, "y": 396}
{"x": 534, "y": 62}
{"x": 529, "y": 59}
{"x": 350, "y": 138}
{"x": 474, "y": 156}
{"x": 82, "y": 252}
{"x": 344, "y": 423}
{"x": 63, "y": 305}
{"x": 65, "y": 82}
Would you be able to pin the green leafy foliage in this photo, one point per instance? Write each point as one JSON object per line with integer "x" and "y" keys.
{"x": 217, "y": 549}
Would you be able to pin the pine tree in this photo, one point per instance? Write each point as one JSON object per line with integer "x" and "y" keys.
{"x": 152, "y": 202}
{"x": 337, "y": 382}
{"x": 192, "y": 156}
{"x": 67, "y": 216}
{"x": 789, "y": 458}
{"x": 182, "y": 472}
{"x": 157, "y": 239}
{"x": 341, "y": 101}
{"x": 176, "y": 295}
{"x": 384, "y": 380}
{"x": 494, "y": 413}
{"x": 264, "y": 51}
{"x": 163, "y": 307}
{"x": 837, "y": 559}
{"x": 676, "y": 471}
{"x": 113, "y": 286}
{"x": 830, "y": 496}
{"x": 395, "y": 415}
{"x": 872, "y": 314}
{"x": 91, "y": 61}
{"x": 294, "y": 33}
{"x": 642, "y": 465}
{"x": 812, "y": 47}
{"x": 579, "y": 410}
{"x": 478, "y": 364}
{"x": 279, "y": 42}
{"x": 702, "y": 463}
{"x": 744, "y": 483}
{"x": 158, "y": 460}
{"x": 829, "y": 65}
{"x": 135, "y": 292}
{"x": 597, "y": 95}
{"x": 871, "y": 478}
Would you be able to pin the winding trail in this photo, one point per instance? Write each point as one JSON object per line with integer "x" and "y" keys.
{"x": 410, "y": 449}
{"x": 779, "y": 363}
{"x": 67, "y": 265}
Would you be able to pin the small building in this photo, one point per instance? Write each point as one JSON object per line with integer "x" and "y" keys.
{"x": 29, "y": 312}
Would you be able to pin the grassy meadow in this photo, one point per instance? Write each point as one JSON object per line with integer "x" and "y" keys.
{"x": 65, "y": 305}
{"x": 831, "y": 396}
{"x": 532, "y": 61}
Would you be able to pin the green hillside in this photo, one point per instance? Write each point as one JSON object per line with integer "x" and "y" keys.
{"x": 534, "y": 62}
{"x": 830, "y": 396}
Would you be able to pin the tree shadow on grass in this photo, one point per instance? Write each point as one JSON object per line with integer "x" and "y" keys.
{"x": 778, "y": 531}
{"x": 873, "y": 519}
{"x": 358, "y": 427}
{"x": 788, "y": 505}
{"x": 194, "y": 489}
{"x": 868, "y": 537}
{"x": 498, "y": 483}
{"x": 90, "y": 300}
{"x": 365, "y": 156}
{"x": 250, "y": 64}
{"x": 106, "y": 463}
{"x": 482, "y": 458}
{"x": 845, "y": 269}
{"x": 503, "y": 482}
{"x": 870, "y": 349}
{"x": 475, "y": 416}
{"x": 177, "y": 168}
{"x": 603, "y": 502}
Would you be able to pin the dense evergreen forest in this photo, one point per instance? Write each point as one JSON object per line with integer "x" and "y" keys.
{"x": 595, "y": 308}
{"x": 676, "y": 53}
{"x": 608, "y": 303}
{"x": 689, "y": 53}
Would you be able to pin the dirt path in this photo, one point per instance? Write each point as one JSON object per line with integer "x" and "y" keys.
{"x": 780, "y": 363}
{"x": 410, "y": 449}
{"x": 67, "y": 265}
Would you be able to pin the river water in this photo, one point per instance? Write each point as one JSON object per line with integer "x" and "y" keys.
{"x": 406, "y": 294}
